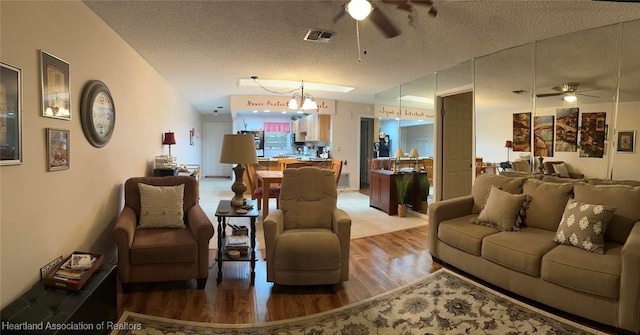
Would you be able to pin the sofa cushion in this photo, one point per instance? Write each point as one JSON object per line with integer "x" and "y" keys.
{"x": 583, "y": 225}
{"x": 521, "y": 251}
{"x": 462, "y": 234}
{"x": 561, "y": 170}
{"x": 632, "y": 183}
{"x": 624, "y": 198}
{"x": 547, "y": 203}
{"x": 501, "y": 210}
{"x": 584, "y": 271}
{"x": 152, "y": 246}
{"x": 161, "y": 206}
{"x": 483, "y": 182}
{"x": 555, "y": 179}
{"x": 307, "y": 250}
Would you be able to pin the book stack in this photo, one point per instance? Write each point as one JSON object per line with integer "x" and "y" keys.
{"x": 75, "y": 267}
{"x": 237, "y": 242}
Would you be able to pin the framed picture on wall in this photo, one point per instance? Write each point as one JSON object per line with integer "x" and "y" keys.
{"x": 54, "y": 84}
{"x": 58, "y": 149}
{"x": 627, "y": 141}
{"x": 10, "y": 115}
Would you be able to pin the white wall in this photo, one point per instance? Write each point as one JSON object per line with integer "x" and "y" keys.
{"x": 345, "y": 135}
{"x": 627, "y": 165}
{"x": 47, "y": 214}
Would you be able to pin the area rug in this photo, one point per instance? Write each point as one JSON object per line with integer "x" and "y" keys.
{"x": 442, "y": 303}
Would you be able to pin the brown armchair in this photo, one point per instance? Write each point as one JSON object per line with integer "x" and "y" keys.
{"x": 307, "y": 238}
{"x": 162, "y": 254}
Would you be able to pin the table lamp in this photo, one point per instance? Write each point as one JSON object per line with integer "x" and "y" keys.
{"x": 238, "y": 149}
{"x": 169, "y": 139}
{"x": 399, "y": 154}
{"x": 508, "y": 144}
{"x": 414, "y": 154}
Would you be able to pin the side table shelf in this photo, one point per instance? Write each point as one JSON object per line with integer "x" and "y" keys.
{"x": 224, "y": 211}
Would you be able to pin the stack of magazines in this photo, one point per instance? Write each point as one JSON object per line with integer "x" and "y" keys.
{"x": 238, "y": 242}
{"x": 75, "y": 267}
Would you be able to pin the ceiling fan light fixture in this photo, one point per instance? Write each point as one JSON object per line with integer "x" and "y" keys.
{"x": 570, "y": 97}
{"x": 359, "y": 9}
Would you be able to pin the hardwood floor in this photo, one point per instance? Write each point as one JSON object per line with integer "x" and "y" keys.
{"x": 378, "y": 264}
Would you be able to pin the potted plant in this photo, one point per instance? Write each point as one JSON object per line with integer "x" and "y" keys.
{"x": 402, "y": 186}
{"x": 423, "y": 182}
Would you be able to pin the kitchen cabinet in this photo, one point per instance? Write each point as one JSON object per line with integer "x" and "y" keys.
{"x": 297, "y": 133}
{"x": 318, "y": 127}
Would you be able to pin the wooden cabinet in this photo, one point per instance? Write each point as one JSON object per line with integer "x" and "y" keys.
{"x": 298, "y": 133}
{"x": 316, "y": 127}
{"x": 382, "y": 191}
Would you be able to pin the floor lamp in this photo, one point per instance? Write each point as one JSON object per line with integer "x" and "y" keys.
{"x": 238, "y": 149}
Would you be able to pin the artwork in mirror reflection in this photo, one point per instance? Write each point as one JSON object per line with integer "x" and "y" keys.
{"x": 567, "y": 129}
{"x": 592, "y": 134}
{"x": 522, "y": 132}
{"x": 543, "y": 136}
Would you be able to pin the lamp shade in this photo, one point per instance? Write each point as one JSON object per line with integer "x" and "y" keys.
{"x": 414, "y": 153}
{"x": 508, "y": 144}
{"x": 399, "y": 153}
{"x": 238, "y": 149}
{"x": 169, "y": 138}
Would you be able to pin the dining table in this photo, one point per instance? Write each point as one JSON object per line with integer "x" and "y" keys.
{"x": 265, "y": 180}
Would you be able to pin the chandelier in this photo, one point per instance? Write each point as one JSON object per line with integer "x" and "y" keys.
{"x": 306, "y": 100}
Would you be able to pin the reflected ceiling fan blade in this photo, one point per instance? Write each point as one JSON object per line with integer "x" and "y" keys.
{"x": 544, "y": 95}
{"x": 340, "y": 14}
{"x": 383, "y": 23}
{"x": 587, "y": 95}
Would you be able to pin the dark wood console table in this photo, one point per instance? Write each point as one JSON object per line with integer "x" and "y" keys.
{"x": 382, "y": 191}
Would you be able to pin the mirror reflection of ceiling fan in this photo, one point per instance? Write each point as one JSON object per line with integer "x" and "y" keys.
{"x": 568, "y": 90}
{"x": 361, "y": 9}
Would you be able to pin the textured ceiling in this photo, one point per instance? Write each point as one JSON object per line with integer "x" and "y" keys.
{"x": 203, "y": 47}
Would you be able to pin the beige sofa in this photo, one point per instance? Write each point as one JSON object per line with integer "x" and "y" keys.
{"x": 600, "y": 287}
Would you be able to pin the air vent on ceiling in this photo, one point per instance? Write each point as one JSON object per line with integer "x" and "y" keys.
{"x": 318, "y": 36}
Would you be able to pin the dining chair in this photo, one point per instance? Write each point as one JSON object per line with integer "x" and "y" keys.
{"x": 336, "y": 167}
{"x": 282, "y": 163}
{"x": 296, "y": 165}
{"x": 256, "y": 190}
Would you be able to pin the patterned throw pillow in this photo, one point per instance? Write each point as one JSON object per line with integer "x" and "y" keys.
{"x": 583, "y": 225}
{"x": 501, "y": 210}
{"x": 161, "y": 206}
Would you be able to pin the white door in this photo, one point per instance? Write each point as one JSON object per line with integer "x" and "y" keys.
{"x": 211, "y": 166}
{"x": 457, "y": 141}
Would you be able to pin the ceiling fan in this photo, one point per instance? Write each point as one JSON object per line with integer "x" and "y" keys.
{"x": 569, "y": 90}
{"x": 361, "y": 9}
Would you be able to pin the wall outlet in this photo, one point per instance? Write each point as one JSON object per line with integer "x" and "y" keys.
{"x": 47, "y": 268}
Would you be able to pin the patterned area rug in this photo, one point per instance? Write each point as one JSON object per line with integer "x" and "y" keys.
{"x": 442, "y": 303}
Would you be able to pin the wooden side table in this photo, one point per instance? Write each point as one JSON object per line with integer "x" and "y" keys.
{"x": 224, "y": 211}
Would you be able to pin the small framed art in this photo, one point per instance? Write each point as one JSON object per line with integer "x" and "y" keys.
{"x": 58, "y": 149}
{"x": 10, "y": 115}
{"x": 54, "y": 83}
{"x": 627, "y": 141}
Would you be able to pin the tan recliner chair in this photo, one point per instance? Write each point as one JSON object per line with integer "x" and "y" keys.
{"x": 307, "y": 238}
{"x": 162, "y": 254}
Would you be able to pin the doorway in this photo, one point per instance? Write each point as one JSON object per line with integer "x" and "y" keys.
{"x": 366, "y": 150}
{"x": 456, "y": 149}
{"x": 211, "y": 166}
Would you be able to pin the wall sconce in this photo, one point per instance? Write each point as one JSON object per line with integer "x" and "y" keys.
{"x": 192, "y": 135}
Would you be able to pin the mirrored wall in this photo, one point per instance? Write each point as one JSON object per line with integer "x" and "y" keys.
{"x": 572, "y": 98}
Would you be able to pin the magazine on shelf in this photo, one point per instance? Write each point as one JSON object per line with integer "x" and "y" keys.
{"x": 238, "y": 240}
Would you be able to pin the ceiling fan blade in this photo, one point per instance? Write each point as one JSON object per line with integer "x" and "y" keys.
{"x": 544, "y": 95}
{"x": 423, "y": 2}
{"x": 383, "y": 23}
{"x": 587, "y": 95}
{"x": 340, "y": 14}
{"x": 558, "y": 88}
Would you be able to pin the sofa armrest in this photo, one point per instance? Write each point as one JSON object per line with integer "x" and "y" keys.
{"x": 273, "y": 226}
{"x": 342, "y": 228}
{"x": 202, "y": 229}
{"x": 123, "y": 233}
{"x": 446, "y": 210}
{"x": 629, "y": 308}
